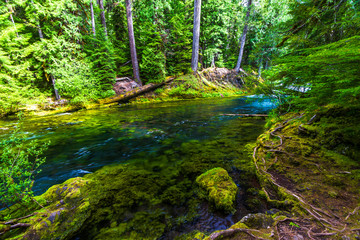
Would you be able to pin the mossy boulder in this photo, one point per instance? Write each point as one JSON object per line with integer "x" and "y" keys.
{"x": 66, "y": 208}
{"x": 220, "y": 188}
{"x": 258, "y": 220}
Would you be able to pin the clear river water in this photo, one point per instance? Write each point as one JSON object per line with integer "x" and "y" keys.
{"x": 154, "y": 136}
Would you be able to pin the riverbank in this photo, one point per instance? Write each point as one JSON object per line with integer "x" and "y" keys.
{"x": 308, "y": 166}
{"x": 156, "y": 193}
{"x": 305, "y": 164}
{"x": 209, "y": 83}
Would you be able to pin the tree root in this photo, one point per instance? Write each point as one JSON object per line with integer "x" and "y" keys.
{"x": 313, "y": 211}
{"x": 352, "y": 213}
{"x": 229, "y": 232}
{"x": 276, "y": 159}
{"x": 331, "y": 223}
{"x": 280, "y": 151}
{"x": 18, "y": 219}
{"x": 281, "y": 140}
{"x": 311, "y": 120}
{"x": 17, "y": 225}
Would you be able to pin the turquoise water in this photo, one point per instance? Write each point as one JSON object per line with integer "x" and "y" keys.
{"x": 176, "y": 141}
{"x": 84, "y": 141}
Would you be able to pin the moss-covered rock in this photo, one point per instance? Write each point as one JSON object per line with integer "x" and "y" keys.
{"x": 258, "y": 220}
{"x": 66, "y": 208}
{"x": 220, "y": 188}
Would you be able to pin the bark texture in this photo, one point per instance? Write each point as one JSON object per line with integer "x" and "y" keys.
{"x": 134, "y": 60}
{"x": 38, "y": 25}
{"x": 102, "y": 15}
{"x": 196, "y": 35}
{"x": 243, "y": 37}
{"x": 92, "y": 18}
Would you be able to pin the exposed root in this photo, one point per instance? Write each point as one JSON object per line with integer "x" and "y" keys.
{"x": 18, "y": 219}
{"x": 313, "y": 211}
{"x": 276, "y": 159}
{"x": 324, "y": 234}
{"x": 309, "y": 233}
{"x": 319, "y": 218}
{"x": 311, "y": 120}
{"x": 17, "y": 225}
{"x": 352, "y": 213}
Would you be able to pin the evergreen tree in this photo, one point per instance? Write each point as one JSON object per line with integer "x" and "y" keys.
{"x": 243, "y": 36}
{"x": 196, "y": 35}
{"x": 134, "y": 58}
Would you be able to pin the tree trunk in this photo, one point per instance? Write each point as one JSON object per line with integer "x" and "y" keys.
{"x": 38, "y": 25}
{"x": 243, "y": 38}
{"x": 92, "y": 19}
{"x": 134, "y": 60}
{"x": 57, "y": 96}
{"x": 102, "y": 15}
{"x": 41, "y": 36}
{"x": 135, "y": 92}
{"x": 260, "y": 66}
{"x": 11, "y": 17}
{"x": 196, "y": 35}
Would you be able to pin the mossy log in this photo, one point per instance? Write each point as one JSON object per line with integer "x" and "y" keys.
{"x": 136, "y": 92}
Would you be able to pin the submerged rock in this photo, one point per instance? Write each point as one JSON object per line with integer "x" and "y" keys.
{"x": 220, "y": 188}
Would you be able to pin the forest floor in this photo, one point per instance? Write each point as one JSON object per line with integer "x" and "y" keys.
{"x": 309, "y": 169}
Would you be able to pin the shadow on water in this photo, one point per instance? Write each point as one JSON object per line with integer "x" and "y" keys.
{"x": 163, "y": 138}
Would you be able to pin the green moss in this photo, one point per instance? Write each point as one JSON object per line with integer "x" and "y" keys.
{"x": 220, "y": 188}
{"x": 239, "y": 225}
{"x": 123, "y": 200}
{"x": 194, "y": 235}
{"x": 258, "y": 220}
{"x": 144, "y": 225}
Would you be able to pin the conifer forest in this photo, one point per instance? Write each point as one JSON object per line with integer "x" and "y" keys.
{"x": 180, "y": 119}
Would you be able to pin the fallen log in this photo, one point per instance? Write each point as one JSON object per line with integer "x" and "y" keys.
{"x": 247, "y": 115}
{"x": 134, "y": 93}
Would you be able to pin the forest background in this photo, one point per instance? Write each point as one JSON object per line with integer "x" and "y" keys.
{"x": 75, "y": 49}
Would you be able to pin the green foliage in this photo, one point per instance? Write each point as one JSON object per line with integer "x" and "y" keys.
{"x": 329, "y": 74}
{"x": 100, "y": 57}
{"x": 121, "y": 41}
{"x": 319, "y": 22}
{"x": 152, "y": 63}
{"x": 294, "y": 224}
{"x": 216, "y": 33}
{"x": 20, "y": 161}
{"x": 179, "y": 49}
{"x": 42, "y": 40}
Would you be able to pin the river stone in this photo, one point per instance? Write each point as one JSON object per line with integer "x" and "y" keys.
{"x": 65, "y": 210}
{"x": 219, "y": 187}
{"x": 258, "y": 220}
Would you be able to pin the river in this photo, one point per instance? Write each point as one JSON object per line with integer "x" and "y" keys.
{"x": 157, "y": 137}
